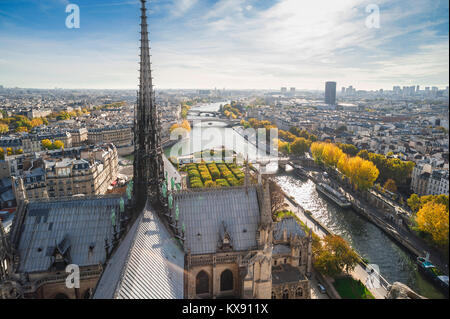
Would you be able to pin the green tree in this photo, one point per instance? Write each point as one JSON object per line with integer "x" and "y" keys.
{"x": 348, "y": 149}
{"x": 300, "y": 146}
{"x": 336, "y": 256}
{"x": 414, "y": 203}
{"x": 390, "y": 185}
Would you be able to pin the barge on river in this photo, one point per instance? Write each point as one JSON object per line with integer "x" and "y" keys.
{"x": 334, "y": 195}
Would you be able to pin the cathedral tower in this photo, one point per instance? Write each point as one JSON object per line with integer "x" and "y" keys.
{"x": 148, "y": 161}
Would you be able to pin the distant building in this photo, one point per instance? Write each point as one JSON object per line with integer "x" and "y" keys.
{"x": 330, "y": 93}
{"x": 426, "y": 181}
{"x": 438, "y": 183}
{"x": 79, "y": 136}
{"x": 283, "y": 90}
{"x": 292, "y": 90}
{"x": 91, "y": 174}
{"x": 120, "y": 135}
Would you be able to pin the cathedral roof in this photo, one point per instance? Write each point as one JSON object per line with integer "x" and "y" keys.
{"x": 285, "y": 273}
{"x": 204, "y": 212}
{"x": 78, "y": 226}
{"x": 148, "y": 264}
{"x": 292, "y": 228}
{"x": 281, "y": 249}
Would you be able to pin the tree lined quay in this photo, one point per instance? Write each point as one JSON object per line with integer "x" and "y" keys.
{"x": 360, "y": 270}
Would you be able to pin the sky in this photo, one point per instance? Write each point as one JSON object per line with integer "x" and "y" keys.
{"x": 232, "y": 44}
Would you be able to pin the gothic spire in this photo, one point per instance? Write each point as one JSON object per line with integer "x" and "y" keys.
{"x": 148, "y": 162}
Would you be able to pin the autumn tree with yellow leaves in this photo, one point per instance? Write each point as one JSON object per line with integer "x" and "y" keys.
{"x": 361, "y": 173}
{"x": 326, "y": 153}
{"x": 433, "y": 219}
{"x": 185, "y": 125}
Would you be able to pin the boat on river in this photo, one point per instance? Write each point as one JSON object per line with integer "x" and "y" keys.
{"x": 300, "y": 172}
{"x": 433, "y": 273}
{"x": 334, "y": 195}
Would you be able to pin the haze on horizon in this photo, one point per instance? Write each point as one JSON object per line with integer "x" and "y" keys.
{"x": 232, "y": 44}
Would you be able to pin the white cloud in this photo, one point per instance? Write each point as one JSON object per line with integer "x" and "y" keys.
{"x": 180, "y": 7}
{"x": 293, "y": 43}
{"x": 298, "y": 43}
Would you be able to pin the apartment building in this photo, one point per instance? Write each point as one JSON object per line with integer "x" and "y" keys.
{"x": 428, "y": 181}
{"x": 79, "y": 136}
{"x": 89, "y": 174}
{"x": 120, "y": 135}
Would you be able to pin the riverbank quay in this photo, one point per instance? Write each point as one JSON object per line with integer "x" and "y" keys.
{"x": 362, "y": 271}
{"x": 394, "y": 228}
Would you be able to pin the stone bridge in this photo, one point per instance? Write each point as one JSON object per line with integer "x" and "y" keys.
{"x": 207, "y": 113}
{"x": 229, "y": 122}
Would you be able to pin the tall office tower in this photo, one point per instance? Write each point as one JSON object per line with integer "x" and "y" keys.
{"x": 292, "y": 90}
{"x": 343, "y": 91}
{"x": 148, "y": 162}
{"x": 405, "y": 90}
{"x": 330, "y": 93}
{"x": 283, "y": 90}
{"x": 418, "y": 89}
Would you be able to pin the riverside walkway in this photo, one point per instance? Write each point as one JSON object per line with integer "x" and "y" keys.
{"x": 380, "y": 287}
{"x": 409, "y": 240}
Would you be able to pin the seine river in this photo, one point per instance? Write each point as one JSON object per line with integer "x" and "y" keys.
{"x": 394, "y": 263}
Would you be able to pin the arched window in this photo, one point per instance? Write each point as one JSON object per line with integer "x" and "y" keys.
{"x": 273, "y": 295}
{"x": 299, "y": 292}
{"x": 286, "y": 294}
{"x": 275, "y": 262}
{"x": 61, "y": 296}
{"x": 202, "y": 283}
{"x": 226, "y": 280}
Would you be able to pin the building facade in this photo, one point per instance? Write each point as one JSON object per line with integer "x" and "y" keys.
{"x": 119, "y": 135}
{"x": 90, "y": 174}
{"x": 330, "y": 93}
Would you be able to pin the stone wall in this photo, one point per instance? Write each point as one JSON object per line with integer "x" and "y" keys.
{"x": 214, "y": 272}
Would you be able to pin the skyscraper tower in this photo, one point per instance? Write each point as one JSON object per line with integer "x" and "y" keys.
{"x": 330, "y": 93}
{"x": 148, "y": 162}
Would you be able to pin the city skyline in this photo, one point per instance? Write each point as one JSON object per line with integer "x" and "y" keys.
{"x": 233, "y": 44}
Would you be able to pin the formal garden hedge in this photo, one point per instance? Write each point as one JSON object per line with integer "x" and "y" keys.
{"x": 214, "y": 174}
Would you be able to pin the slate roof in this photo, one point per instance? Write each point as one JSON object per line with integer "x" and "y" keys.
{"x": 84, "y": 222}
{"x": 280, "y": 249}
{"x": 203, "y": 213}
{"x": 148, "y": 264}
{"x": 285, "y": 273}
{"x": 292, "y": 227}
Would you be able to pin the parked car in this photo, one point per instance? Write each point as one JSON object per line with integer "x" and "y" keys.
{"x": 322, "y": 289}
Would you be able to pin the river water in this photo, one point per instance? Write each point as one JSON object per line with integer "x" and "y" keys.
{"x": 394, "y": 263}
